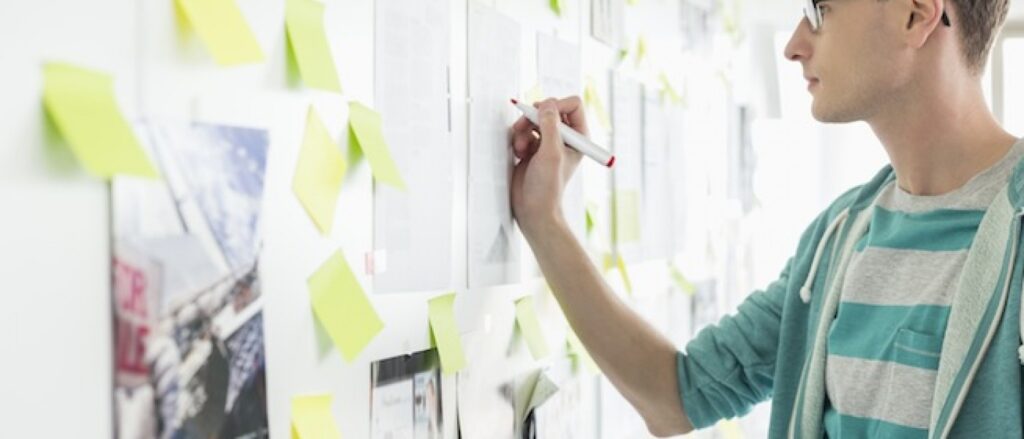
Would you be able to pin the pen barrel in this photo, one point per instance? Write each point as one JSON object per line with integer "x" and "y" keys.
{"x": 582, "y": 144}
{"x": 571, "y": 138}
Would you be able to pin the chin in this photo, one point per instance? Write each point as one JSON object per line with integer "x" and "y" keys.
{"x": 826, "y": 114}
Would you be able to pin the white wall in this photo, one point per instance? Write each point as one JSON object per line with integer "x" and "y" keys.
{"x": 55, "y": 322}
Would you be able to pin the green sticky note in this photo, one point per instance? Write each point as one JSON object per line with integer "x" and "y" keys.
{"x": 311, "y": 418}
{"x": 529, "y": 325}
{"x": 81, "y": 103}
{"x": 627, "y": 216}
{"x": 223, "y": 30}
{"x": 667, "y": 90}
{"x": 341, "y": 306}
{"x": 641, "y": 49}
{"x": 620, "y": 263}
{"x": 590, "y": 221}
{"x": 593, "y": 101}
{"x": 365, "y": 129}
{"x": 445, "y": 333}
{"x": 319, "y": 173}
{"x": 609, "y": 262}
{"x": 306, "y": 36}
{"x": 556, "y": 6}
{"x": 681, "y": 282}
{"x": 577, "y": 350}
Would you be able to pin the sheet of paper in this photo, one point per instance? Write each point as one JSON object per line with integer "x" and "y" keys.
{"x": 213, "y": 177}
{"x": 412, "y": 227}
{"x": 627, "y": 142}
{"x": 82, "y": 104}
{"x": 319, "y": 172}
{"x": 304, "y": 20}
{"x": 445, "y": 333}
{"x": 341, "y": 306}
{"x": 529, "y": 326}
{"x": 494, "y": 243}
{"x": 656, "y": 216}
{"x": 223, "y": 30}
{"x": 405, "y": 397}
{"x": 312, "y": 419}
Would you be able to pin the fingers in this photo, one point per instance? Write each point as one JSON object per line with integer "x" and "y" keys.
{"x": 526, "y": 137}
{"x": 524, "y": 140}
{"x": 571, "y": 109}
{"x": 550, "y": 139}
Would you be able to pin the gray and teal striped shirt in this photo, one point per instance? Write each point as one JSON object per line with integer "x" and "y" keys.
{"x": 884, "y": 345}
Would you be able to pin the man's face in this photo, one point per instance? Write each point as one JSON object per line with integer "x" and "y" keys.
{"x": 854, "y": 62}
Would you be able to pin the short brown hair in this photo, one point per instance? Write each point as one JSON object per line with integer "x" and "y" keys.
{"x": 979, "y": 23}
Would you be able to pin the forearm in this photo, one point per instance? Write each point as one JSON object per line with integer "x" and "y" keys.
{"x": 638, "y": 360}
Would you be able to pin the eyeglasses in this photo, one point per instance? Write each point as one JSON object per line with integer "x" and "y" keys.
{"x": 814, "y": 15}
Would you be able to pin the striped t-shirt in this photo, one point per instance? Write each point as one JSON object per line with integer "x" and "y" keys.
{"x": 884, "y": 344}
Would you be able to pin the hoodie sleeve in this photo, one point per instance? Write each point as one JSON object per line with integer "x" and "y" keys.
{"x": 729, "y": 367}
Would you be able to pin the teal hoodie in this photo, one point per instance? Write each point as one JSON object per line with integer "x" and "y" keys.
{"x": 774, "y": 346}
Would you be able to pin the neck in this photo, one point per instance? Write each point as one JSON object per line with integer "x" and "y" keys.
{"x": 937, "y": 142}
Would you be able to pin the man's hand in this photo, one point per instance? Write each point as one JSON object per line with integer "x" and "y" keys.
{"x": 545, "y": 164}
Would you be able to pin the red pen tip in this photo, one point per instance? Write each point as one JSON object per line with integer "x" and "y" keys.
{"x": 611, "y": 162}
{"x": 514, "y": 102}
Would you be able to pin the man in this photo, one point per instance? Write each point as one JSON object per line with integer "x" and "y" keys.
{"x": 898, "y": 316}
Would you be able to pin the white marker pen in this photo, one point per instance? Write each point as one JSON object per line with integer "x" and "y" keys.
{"x": 572, "y": 138}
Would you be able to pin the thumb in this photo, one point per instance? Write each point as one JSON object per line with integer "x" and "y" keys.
{"x": 550, "y": 138}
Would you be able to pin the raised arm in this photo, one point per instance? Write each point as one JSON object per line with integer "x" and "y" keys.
{"x": 638, "y": 360}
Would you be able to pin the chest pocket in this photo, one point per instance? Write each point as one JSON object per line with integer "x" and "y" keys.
{"x": 917, "y": 349}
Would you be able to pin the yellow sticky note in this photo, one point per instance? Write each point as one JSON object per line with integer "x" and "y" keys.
{"x": 341, "y": 306}
{"x": 576, "y": 349}
{"x": 445, "y": 333}
{"x": 681, "y": 282}
{"x": 365, "y": 130}
{"x": 529, "y": 325}
{"x": 593, "y": 101}
{"x": 627, "y": 216}
{"x": 556, "y": 6}
{"x": 319, "y": 173}
{"x": 311, "y": 418}
{"x": 81, "y": 103}
{"x": 223, "y": 29}
{"x": 306, "y": 36}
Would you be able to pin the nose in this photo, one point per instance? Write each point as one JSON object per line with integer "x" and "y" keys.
{"x": 799, "y": 46}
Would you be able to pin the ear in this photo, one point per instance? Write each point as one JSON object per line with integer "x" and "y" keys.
{"x": 922, "y": 18}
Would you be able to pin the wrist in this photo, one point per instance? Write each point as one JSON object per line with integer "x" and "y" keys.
{"x": 541, "y": 226}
